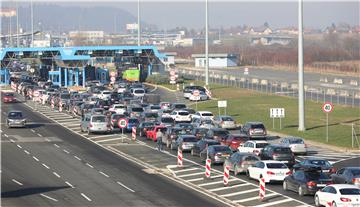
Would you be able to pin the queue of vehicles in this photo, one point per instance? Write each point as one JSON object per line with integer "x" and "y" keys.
{"x": 201, "y": 134}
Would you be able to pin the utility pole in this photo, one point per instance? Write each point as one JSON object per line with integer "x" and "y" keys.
{"x": 206, "y": 45}
{"x": 17, "y": 25}
{"x": 301, "y": 69}
{"x": 138, "y": 23}
{"x": 32, "y": 23}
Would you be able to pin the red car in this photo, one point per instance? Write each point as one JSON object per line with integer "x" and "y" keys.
{"x": 8, "y": 97}
{"x": 234, "y": 140}
{"x": 151, "y": 132}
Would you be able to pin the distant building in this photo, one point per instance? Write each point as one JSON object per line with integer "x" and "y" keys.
{"x": 221, "y": 60}
{"x": 42, "y": 43}
{"x": 87, "y": 36}
{"x": 131, "y": 28}
{"x": 169, "y": 59}
{"x": 271, "y": 40}
{"x": 187, "y": 42}
{"x": 260, "y": 30}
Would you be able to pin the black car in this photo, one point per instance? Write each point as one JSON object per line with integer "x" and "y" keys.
{"x": 279, "y": 153}
{"x": 347, "y": 175}
{"x": 149, "y": 116}
{"x": 306, "y": 180}
{"x": 325, "y": 165}
{"x": 186, "y": 142}
{"x": 186, "y": 126}
{"x": 200, "y": 132}
{"x": 166, "y": 121}
{"x": 217, "y": 133}
{"x": 105, "y": 104}
{"x": 255, "y": 130}
{"x": 202, "y": 145}
{"x": 216, "y": 153}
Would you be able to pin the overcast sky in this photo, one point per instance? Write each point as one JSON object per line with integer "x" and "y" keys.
{"x": 171, "y": 13}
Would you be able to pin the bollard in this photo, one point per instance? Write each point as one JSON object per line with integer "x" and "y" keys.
{"x": 134, "y": 133}
{"x": 60, "y": 106}
{"x": 180, "y": 158}
{"x": 262, "y": 189}
{"x": 208, "y": 168}
{"x": 226, "y": 175}
{"x": 52, "y": 103}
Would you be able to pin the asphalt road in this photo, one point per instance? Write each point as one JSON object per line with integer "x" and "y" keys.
{"x": 47, "y": 165}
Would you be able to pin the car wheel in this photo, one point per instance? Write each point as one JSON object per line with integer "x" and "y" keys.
{"x": 301, "y": 191}
{"x": 285, "y": 185}
{"x": 192, "y": 152}
{"x": 81, "y": 129}
{"x": 317, "y": 201}
{"x": 235, "y": 170}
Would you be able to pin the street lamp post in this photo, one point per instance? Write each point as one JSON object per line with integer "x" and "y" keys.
{"x": 206, "y": 45}
{"x": 138, "y": 23}
{"x": 32, "y": 23}
{"x": 301, "y": 69}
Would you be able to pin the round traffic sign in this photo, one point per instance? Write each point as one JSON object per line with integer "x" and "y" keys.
{"x": 196, "y": 93}
{"x": 327, "y": 107}
{"x": 113, "y": 79}
{"x": 172, "y": 78}
{"x": 112, "y": 74}
{"x": 36, "y": 93}
{"x": 172, "y": 72}
{"x": 122, "y": 123}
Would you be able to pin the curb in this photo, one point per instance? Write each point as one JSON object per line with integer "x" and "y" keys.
{"x": 160, "y": 86}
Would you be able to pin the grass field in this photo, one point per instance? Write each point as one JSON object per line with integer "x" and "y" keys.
{"x": 246, "y": 105}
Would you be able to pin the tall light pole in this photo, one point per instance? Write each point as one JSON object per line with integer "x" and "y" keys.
{"x": 301, "y": 69}
{"x": 206, "y": 45}
{"x": 17, "y": 25}
{"x": 138, "y": 22}
{"x": 32, "y": 23}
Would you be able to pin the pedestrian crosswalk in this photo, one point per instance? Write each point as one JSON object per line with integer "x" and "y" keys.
{"x": 330, "y": 155}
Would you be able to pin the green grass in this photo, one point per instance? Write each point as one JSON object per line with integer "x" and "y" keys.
{"x": 246, "y": 105}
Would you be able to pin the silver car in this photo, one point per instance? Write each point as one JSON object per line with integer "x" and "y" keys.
{"x": 296, "y": 144}
{"x": 15, "y": 119}
{"x": 95, "y": 124}
{"x": 225, "y": 122}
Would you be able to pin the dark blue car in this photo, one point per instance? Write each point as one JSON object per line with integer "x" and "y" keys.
{"x": 132, "y": 122}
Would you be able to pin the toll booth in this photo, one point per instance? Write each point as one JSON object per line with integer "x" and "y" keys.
{"x": 68, "y": 76}
{"x": 102, "y": 74}
{"x": 4, "y": 76}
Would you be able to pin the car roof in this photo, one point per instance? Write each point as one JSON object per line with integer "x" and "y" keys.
{"x": 271, "y": 161}
{"x": 254, "y": 122}
{"x": 15, "y": 111}
{"x": 204, "y": 112}
{"x": 258, "y": 141}
{"x": 341, "y": 186}
{"x": 293, "y": 138}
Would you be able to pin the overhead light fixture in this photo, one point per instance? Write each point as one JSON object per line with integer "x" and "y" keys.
{"x": 40, "y": 53}
{"x": 139, "y": 51}
{"x": 21, "y": 53}
{"x": 90, "y": 52}
{"x": 119, "y": 52}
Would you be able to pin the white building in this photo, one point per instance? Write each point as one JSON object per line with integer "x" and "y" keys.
{"x": 221, "y": 60}
{"x": 169, "y": 59}
{"x": 42, "y": 43}
{"x": 89, "y": 35}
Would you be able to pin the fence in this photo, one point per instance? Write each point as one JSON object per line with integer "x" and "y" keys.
{"x": 317, "y": 94}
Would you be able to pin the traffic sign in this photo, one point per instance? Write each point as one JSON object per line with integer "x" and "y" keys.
{"x": 113, "y": 79}
{"x": 327, "y": 107}
{"x": 122, "y": 123}
{"x": 196, "y": 93}
{"x": 222, "y": 104}
{"x": 246, "y": 71}
{"x": 112, "y": 74}
{"x": 36, "y": 93}
{"x": 172, "y": 78}
{"x": 172, "y": 72}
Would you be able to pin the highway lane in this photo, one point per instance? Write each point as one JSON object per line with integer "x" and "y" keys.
{"x": 99, "y": 177}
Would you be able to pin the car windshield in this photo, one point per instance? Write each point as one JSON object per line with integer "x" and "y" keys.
{"x": 65, "y": 96}
{"x": 227, "y": 119}
{"x": 9, "y": 94}
{"x": 137, "y": 109}
{"x": 119, "y": 107}
{"x": 139, "y": 91}
{"x": 350, "y": 191}
{"x": 183, "y": 113}
{"x": 222, "y": 149}
{"x": 207, "y": 114}
{"x": 316, "y": 175}
{"x": 15, "y": 115}
{"x": 98, "y": 119}
{"x": 151, "y": 115}
{"x": 220, "y": 133}
{"x": 180, "y": 106}
{"x": 155, "y": 107}
{"x": 276, "y": 166}
{"x": 133, "y": 121}
{"x": 167, "y": 120}
{"x": 106, "y": 92}
{"x": 322, "y": 163}
{"x": 190, "y": 139}
{"x": 296, "y": 141}
{"x": 355, "y": 172}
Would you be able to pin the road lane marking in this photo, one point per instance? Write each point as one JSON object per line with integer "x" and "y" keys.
{"x": 67, "y": 152}
{"x": 17, "y": 182}
{"x": 89, "y": 165}
{"x": 229, "y": 187}
{"x": 104, "y": 174}
{"x": 32, "y": 130}
{"x": 6, "y": 135}
{"x": 195, "y": 179}
{"x": 45, "y": 166}
{"x": 57, "y": 175}
{"x": 125, "y": 186}
{"x": 27, "y": 152}
{"x": 103, "y": 136}
{"x": 48, "y": 140}
{"x": 253, "y": 198}
{"x": 1, "y": 131}
{"x": 240, "y": 192}
{"x": 185, "y": 170}
{"x": 11, "y": 140}
{"x": 56, "y": 145}
{"x": 69, "y": 184}
{"x": 189, "y": 175}
{"x": 274, "y": 203}
{"x": 78, "y": 158}
{"x": 215, "y": 182}
{"x": 35, "y": 158}
{"x": 107, "y": 140}
{"x": 87, "y": 198}
{"x": 39, "y": 135}
{"x": 19, "y": 146}
{"x": 48, "y": 197}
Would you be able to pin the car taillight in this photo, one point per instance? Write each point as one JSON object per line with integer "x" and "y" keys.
{"x": 234, "y": 142}
{"x": 356, "y": 180}
{"x": 90, "y": 125}
{"x": 311, "y": 184}
{"x": 251, "y": 131}
{"x": 222, "y": 122}
{"x": 275, "y": 154}
{"x": 256, "y": 151}
{"x": 289, "y": 173}
{"x": 218, "y": 154}
{"x": 345, "y": 199}
{"x": 270, "y": 173}
{"x": 114, "y": 120}
{"x": 332, "y": 170}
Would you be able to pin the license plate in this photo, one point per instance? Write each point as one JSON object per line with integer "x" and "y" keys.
{"x": 280, "y": 174}
{"x": 321, "y": 185}
{"x": 326, "y": 171}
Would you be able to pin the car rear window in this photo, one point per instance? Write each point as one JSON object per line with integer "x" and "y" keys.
{"x": 320, "y": 163}
{"x": 119, "y": 107}
{"x": 155, "y": 107}
{"x": 180, "y": 106}
{"x": 98, "y": 119}
{"x": 65, "y": 96}
{"x": 221, "y": 133}
{"x": 276, "y": 166}
{"x": 183, "y": 113}
{"x": 207, "y": 114}
{"x": 167, "y": 119}
{"x": 137, "y": 109}
{"x": 282, "y": 150}
{"x": 222, "y": 149}
{"x": 118, "y": 116}
{"x": 261, "y": 145}
{"x": 296, "y": 141}
{"x": 227, "y": 119}
{"x": 258, "y": 126}
{"x": 316, "y": 175}
{"x": 355, "y": 172}
{"x": 133, "y": 121}
{"x": 139, "y": 91}
{"x": 350, "y": 191}
{"x": 106, "y": 92}
{"x": 8, "y": 94}
{"x": 251, "y": 158}
{"x": 190, "y": 139}
{"x": 240, "y": 138}
{"x": 151, "y": 115}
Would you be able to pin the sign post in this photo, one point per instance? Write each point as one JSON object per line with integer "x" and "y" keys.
{"x": 277, "y": 113}
{"x": 327, "y": 108}
{"x": 122, "y": 123}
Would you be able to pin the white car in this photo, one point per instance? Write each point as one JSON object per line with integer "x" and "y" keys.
{"x": 118, "y": 108}
{"x": 296, "y": 144}
{"x": 181, "y": 116}
{"x": 338, "y": 195}
{"x": 254, "y": 147}
{"x": 270, "y": 170}
{"x": 138, "y": 92}
{"x": 203, "y": 115}
{"x": 121, "y": 89}
{"x": 105, "y": 95}
{"x": 202, "y": 97}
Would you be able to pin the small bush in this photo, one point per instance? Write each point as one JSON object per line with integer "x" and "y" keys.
{"x": 158, "y": 79}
